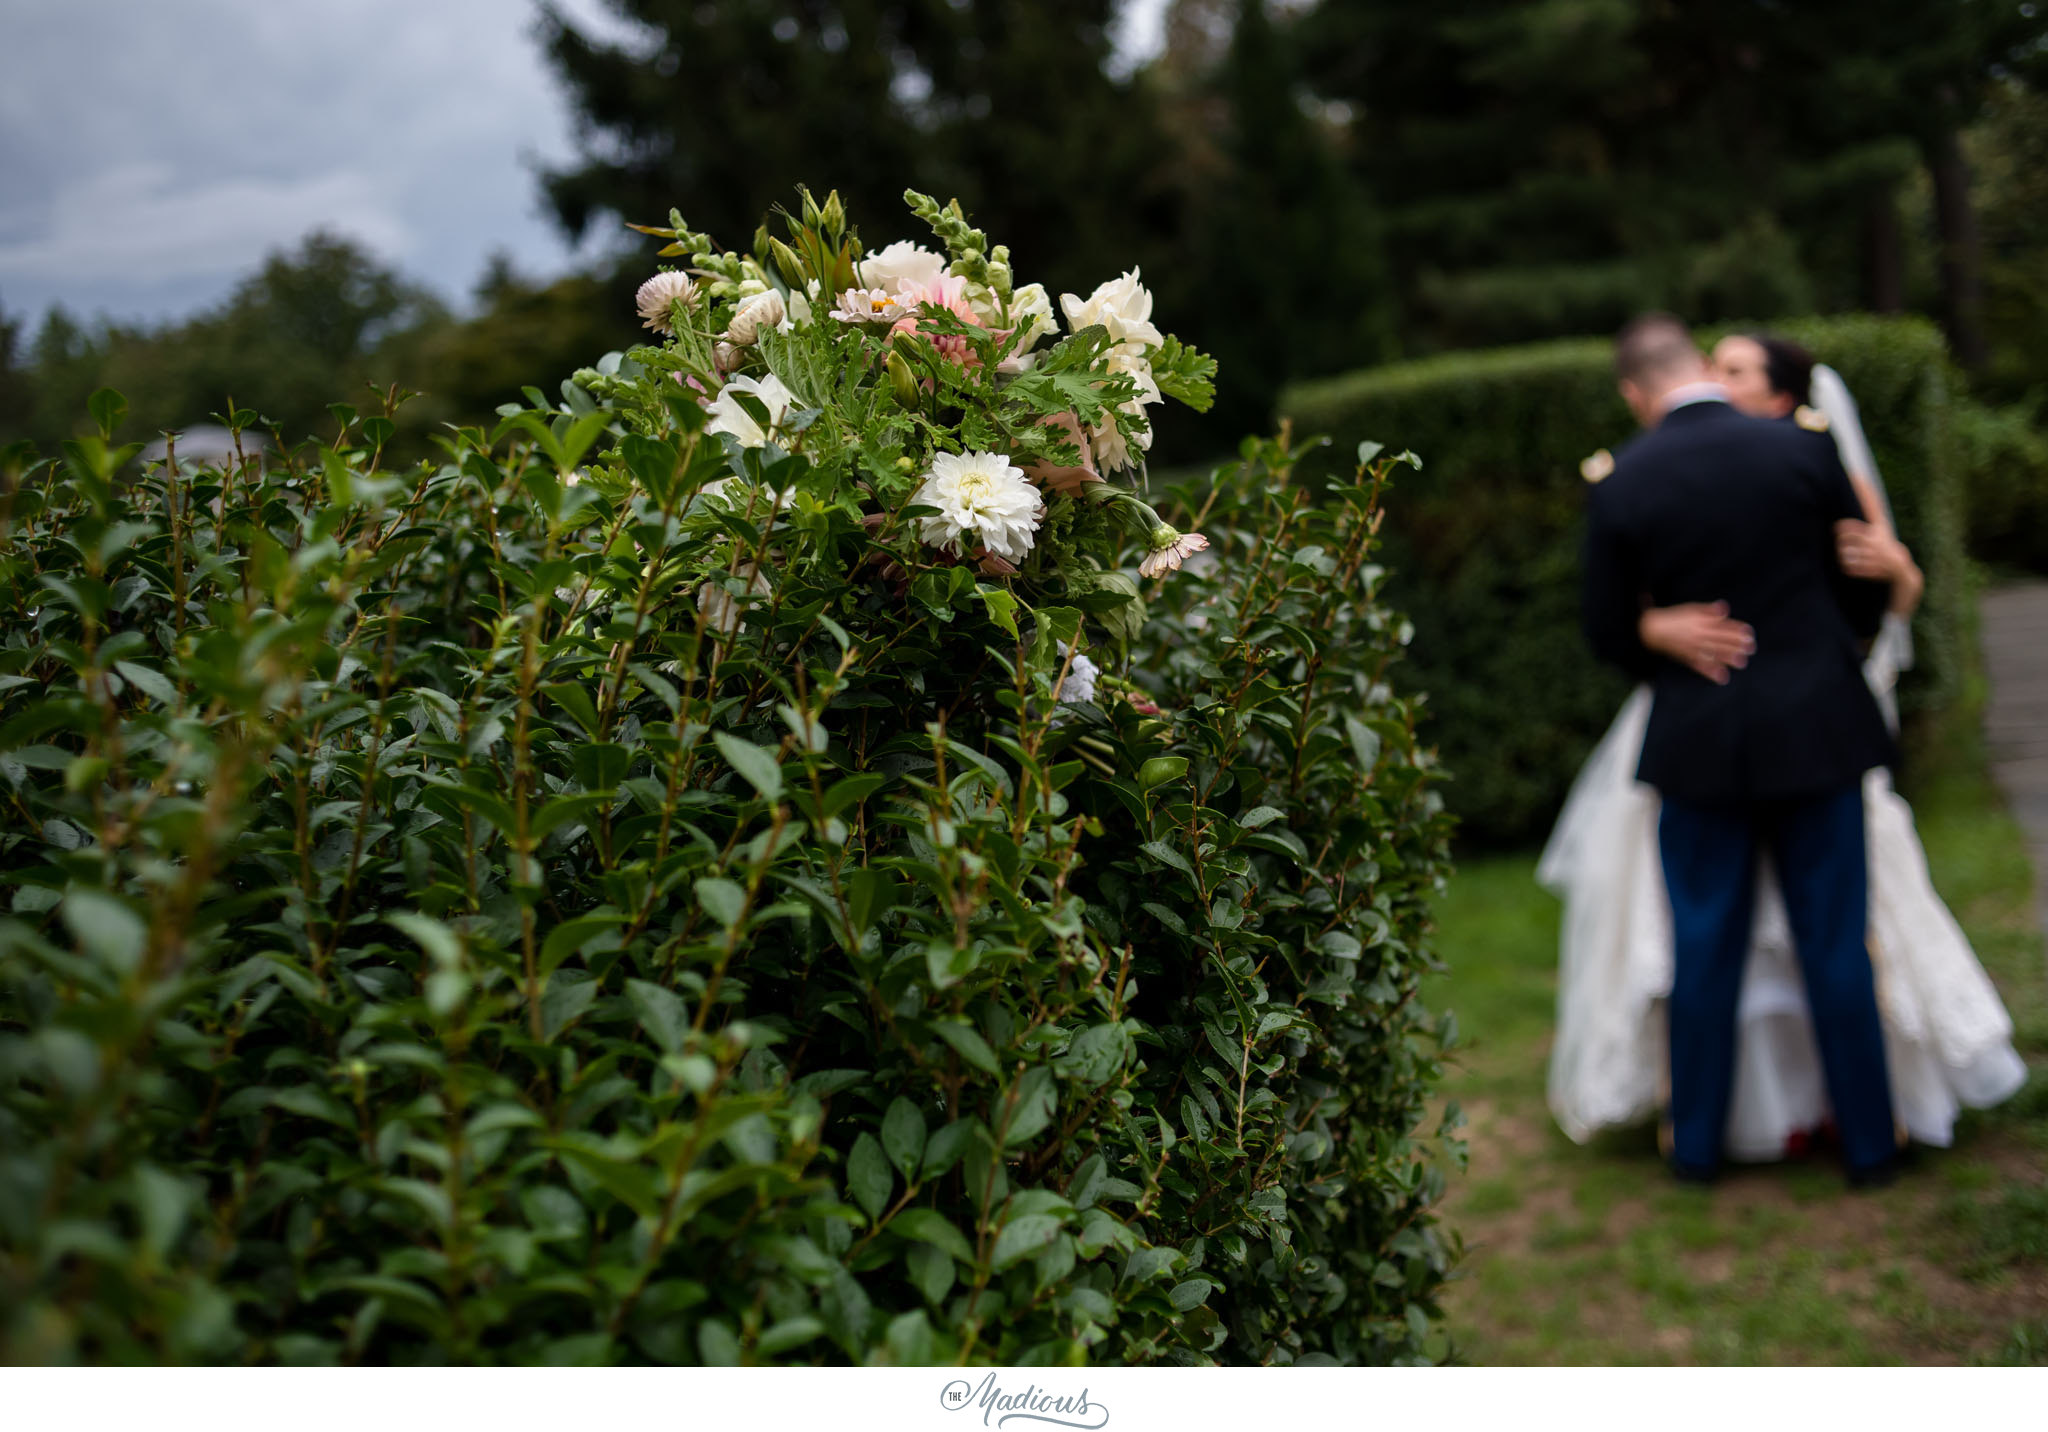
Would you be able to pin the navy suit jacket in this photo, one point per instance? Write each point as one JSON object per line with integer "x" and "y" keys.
{"x": 1714, "y": 506}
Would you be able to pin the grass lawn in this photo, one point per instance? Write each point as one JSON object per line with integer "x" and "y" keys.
{"x": 1593, "y": 1255}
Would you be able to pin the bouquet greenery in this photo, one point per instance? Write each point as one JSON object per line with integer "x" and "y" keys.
{"x": 667, "y": 880}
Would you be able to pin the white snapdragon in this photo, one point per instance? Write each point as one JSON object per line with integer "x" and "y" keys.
{"x": 1122, "y": 305}
{"x": 1030, "y": 311}
{"x": 721, "y": 611}
{"x": 1078, "y": 686}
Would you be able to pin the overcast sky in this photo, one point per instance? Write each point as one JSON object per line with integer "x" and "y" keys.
{"x": 152, "y": 151}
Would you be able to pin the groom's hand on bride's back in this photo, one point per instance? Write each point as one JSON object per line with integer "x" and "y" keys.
{"x": 1700, "y": 636}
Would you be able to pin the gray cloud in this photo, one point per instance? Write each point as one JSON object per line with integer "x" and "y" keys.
{"x": 152, "y": 152}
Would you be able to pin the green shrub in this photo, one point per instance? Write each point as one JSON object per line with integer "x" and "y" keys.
{"x": 436, "y": 936}
{"x": 2006, "y": 456}
{"x": 1484, "y": 546}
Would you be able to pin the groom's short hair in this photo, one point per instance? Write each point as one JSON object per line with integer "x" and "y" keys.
{"x": 1652, "y": 346}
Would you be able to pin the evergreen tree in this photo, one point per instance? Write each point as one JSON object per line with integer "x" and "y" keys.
{"x": 1296, "y": 277}
{"x": 1005, "y": 104}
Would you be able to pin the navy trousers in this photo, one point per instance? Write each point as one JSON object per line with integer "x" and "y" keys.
{"x": 1710, "y": 857}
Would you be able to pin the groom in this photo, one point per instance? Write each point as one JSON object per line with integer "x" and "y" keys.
{"x": 1707, "y": 506}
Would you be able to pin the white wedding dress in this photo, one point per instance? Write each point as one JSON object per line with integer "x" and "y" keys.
{"x": 1948, "y": 1039}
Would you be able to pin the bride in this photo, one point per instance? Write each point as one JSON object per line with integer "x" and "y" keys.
{"x": 1948, "y": 1040}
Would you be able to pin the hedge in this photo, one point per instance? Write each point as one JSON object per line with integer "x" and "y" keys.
{"x": 432, "y": 938}
{"x": 1484, "y": 542}
{"x": 2005, "y": 454}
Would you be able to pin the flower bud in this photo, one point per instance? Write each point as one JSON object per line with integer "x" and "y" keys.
{"x": 789, "y": 261}
{"x": 901, "y": 379}
{"x": 763, "y": 310}
{"x": 834, "y": 216}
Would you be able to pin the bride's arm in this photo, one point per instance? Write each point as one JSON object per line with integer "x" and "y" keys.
{"x": 1870, "y": 549}
{"x": 1698, "y": 635}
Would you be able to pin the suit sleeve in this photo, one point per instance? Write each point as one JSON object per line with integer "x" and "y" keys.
{"x": 1611, "y": 604}
{"x": 1862, "y": 601}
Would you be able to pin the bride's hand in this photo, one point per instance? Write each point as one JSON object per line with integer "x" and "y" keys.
{"x": 1868, "y": 551}
{"x": 1699, "y": 635}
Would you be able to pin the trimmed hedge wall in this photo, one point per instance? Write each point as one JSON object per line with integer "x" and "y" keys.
{"x": 1484, "y": 542}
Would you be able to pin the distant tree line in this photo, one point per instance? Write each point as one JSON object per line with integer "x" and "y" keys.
{"x": 1308, "y": 188}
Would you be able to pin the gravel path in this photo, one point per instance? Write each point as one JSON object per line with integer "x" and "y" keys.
{"x": 2016, "y": 721}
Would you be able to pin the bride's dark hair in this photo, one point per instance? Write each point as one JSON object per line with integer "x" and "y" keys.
{"x": 1788, "y": 367}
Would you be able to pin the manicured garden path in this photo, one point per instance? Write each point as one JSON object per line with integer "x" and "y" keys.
{"x": 1593, "y": 1255}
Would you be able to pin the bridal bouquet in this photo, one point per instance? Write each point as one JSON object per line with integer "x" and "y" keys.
{"x": 983, "y": 448}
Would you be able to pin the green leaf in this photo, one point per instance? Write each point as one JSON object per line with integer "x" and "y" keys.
{"x": 106, "y": 928}
{"x": 852, "y": 790}
{"x": 572, "y": 935}
{"x": 761, "y": 767}
{"x": 163, "y": 1201}
{"x": 868, "y": 1178}
{"x": 575, "y": 699}
{"x": 870, "y": 894}
{"x": 1190, "y": 1294}
{"x": 440, "y": 942}
{"x": 789, "y": 1334}
{"x": 1365, "y": 742}
{"x": 944, "y": 1149}
{"x": 150, "y": 683}
{"x": 1096, "y": 1054}
{"x": 1002, "y": 606}
{"x": 931, "y": 1270}
{"x": 661, "y": 1013}
{"x": 967, "y": 1043}
{"x": 1167, "y": 855}
{"x": 927, "y": 1225}
{"x": 909, "y": 1340}
{"x": 564, "y": 809}
{"x": 723, "y": 900}
{"x": 107, "y": 407}
{"x": 903, "y": 1137}
{"x": 632, "y": 1183}
{"x": 1023, "y": 1237}
{"x": 1031, "y": 1103}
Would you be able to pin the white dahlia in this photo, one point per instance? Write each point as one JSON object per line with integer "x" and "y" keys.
{"x": 658, "y": 297}
{"x": 727, "y": 416}
{"x": 979, "y": 495}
